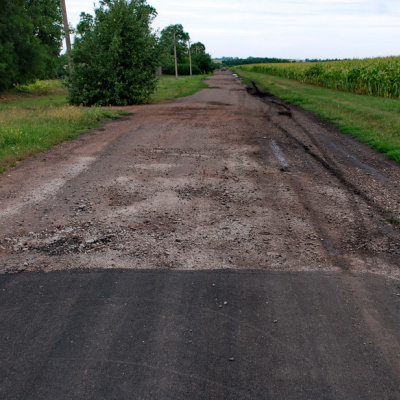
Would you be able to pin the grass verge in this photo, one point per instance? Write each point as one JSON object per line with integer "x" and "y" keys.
{"x": 171, "y": 88}
{"x": 35, "y": 117}
{"x": 372, "y": 120}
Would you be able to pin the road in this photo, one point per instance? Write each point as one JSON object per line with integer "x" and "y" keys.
{"x": 219, "y": 246}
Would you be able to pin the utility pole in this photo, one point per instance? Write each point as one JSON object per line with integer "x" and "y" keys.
{"x": 190, "y": 58}
{"x": 67, "y": 35}
{"x": 175, "y": 56}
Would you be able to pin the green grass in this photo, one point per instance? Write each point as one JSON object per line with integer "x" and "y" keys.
{"x": 373, "y": 120}
{"x": 35, "y": 96}
{"x": 36, "y": 117}
{"x": 171, "y": 88}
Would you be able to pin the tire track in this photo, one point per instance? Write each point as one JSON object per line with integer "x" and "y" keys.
{"x": 360, "y": 232}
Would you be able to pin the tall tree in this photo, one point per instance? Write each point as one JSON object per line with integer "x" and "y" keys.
{"x": 201, "y": 59}
{"x": 173, "y": 41}
{"x": 115, "y": 57}
{"x": 198, "y": 48}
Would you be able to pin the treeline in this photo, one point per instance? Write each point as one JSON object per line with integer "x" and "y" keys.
{"x": 116, "y": 55}
{"x": 252, "y": 60}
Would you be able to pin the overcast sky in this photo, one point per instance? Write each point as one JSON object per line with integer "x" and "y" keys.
{"x": 296, "y": 29}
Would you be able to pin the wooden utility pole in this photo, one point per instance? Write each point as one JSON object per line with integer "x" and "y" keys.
{"x": 175, "y": 56}
{"x": 67, "y": 35}
{"x": 190, "y": 58}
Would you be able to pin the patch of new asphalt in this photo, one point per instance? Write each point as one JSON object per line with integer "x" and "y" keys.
{"x": 194, "y": 335}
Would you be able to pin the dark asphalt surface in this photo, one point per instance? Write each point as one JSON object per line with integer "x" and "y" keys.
{"x": 199, "y": 335}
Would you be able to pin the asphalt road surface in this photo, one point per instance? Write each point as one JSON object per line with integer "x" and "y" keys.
{"x": 221, "y": 246}
{"x": 198, "y": 335}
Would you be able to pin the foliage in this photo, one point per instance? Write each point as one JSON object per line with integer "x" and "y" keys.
{"x": 30, "y": 39}
{"x": 41, "y": 87}
{"x": 204, "y": 62}
{"x": 373, "y": 76}
{"x": 20, "y": 52}
{"x": 393, "y": 220}
{"x": 47, "y": 20}
{"x": 170, "y": 36}
{"x": 373, "y": 120}
{"x": 197, "y": 48}
{"x": 175, "y": 34}
{"x": 183, "y": 69}
{"x": 115, "y": 56}
{"x": 63, "y": 67}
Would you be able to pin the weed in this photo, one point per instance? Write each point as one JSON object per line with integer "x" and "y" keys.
{"x": 393, "y": 220}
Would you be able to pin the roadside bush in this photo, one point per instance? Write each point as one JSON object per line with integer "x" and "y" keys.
{"x": 114, "y": 58}
{"x": 204, "y": 62}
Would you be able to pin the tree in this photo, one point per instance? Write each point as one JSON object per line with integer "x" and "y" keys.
{"x": 30, "y": 40}
{"x": 173, "y": 42}
{"x": 48, "y": 28}
{"x": 20, "y": 52}
{"x": 115, "y": 56}
{"x": 198, "y": 48}
{"x": 202, "y": 59}
{"x": 204, "y": 62}
{"x": 198, "y": 62}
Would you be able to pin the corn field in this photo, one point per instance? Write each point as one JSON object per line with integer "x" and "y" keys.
{"x": 370, "y": 76}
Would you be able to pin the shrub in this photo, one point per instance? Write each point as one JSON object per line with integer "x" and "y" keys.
{"x": 183, "y": 69}
{"x": 114, "y": 57}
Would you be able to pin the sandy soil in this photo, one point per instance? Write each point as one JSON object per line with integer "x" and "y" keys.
{"x": 222, "y": 179}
